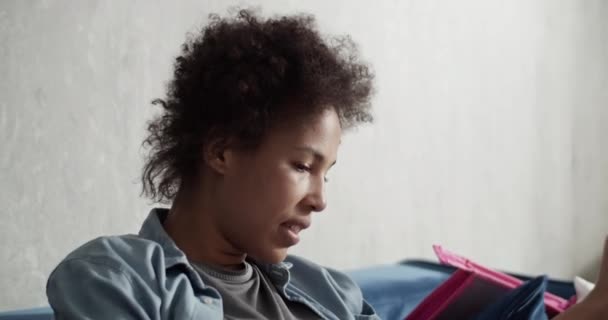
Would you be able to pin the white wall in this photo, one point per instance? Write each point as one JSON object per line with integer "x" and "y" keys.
{"x": 491, "y": 117}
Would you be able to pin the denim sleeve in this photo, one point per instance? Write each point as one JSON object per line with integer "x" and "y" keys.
{"x": 85, "y": 289}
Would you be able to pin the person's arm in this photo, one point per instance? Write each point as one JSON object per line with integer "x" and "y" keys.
{"x": 595, "y": 306}
{"x": 82, "y": 289}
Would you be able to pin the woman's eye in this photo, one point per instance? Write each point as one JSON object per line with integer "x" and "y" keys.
{"x": 302, "y": 167}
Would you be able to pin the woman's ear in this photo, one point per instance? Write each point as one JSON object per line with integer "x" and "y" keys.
{"x": 217, "y": 156}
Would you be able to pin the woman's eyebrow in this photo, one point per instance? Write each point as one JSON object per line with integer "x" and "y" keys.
{"x": 316, "y": 153}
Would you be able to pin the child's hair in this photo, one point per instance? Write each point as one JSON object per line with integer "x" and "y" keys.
{"x": 237, "y": 78}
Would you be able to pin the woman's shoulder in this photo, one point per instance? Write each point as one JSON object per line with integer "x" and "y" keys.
{"x": 129, "y": 257}
{"x": 115, "y": 251}
{"x": 105, "y": 267}
{"x": 113, "y": 276}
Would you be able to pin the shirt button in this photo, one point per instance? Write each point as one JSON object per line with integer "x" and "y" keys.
{"x": 207, "y": 300}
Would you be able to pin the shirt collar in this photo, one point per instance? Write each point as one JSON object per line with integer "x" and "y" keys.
{"x": 152, "y": 229}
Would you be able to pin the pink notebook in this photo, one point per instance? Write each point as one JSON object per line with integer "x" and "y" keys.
{"x": 470, "y": 289}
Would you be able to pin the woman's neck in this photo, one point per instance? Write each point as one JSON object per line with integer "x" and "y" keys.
{"x": 194, "y": 230}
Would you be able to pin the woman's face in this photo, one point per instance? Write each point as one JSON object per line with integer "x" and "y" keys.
{"x": 266, "y": 197}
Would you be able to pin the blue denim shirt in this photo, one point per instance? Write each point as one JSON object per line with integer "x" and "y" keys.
{"x": 147, "y": 276}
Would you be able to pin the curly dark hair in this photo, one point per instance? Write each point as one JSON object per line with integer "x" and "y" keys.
{"x": 240, "y": 76}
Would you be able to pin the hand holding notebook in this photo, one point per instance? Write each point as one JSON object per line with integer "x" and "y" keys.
{"x": 595, "y": 305}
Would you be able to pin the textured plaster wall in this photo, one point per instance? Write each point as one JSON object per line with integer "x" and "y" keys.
{"x": 489, "y": 139}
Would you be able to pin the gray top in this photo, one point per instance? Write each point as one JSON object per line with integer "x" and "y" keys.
{"x": 248, "y": 294}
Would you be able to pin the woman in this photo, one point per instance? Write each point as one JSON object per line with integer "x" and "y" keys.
{"x": 251, "y": 126}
